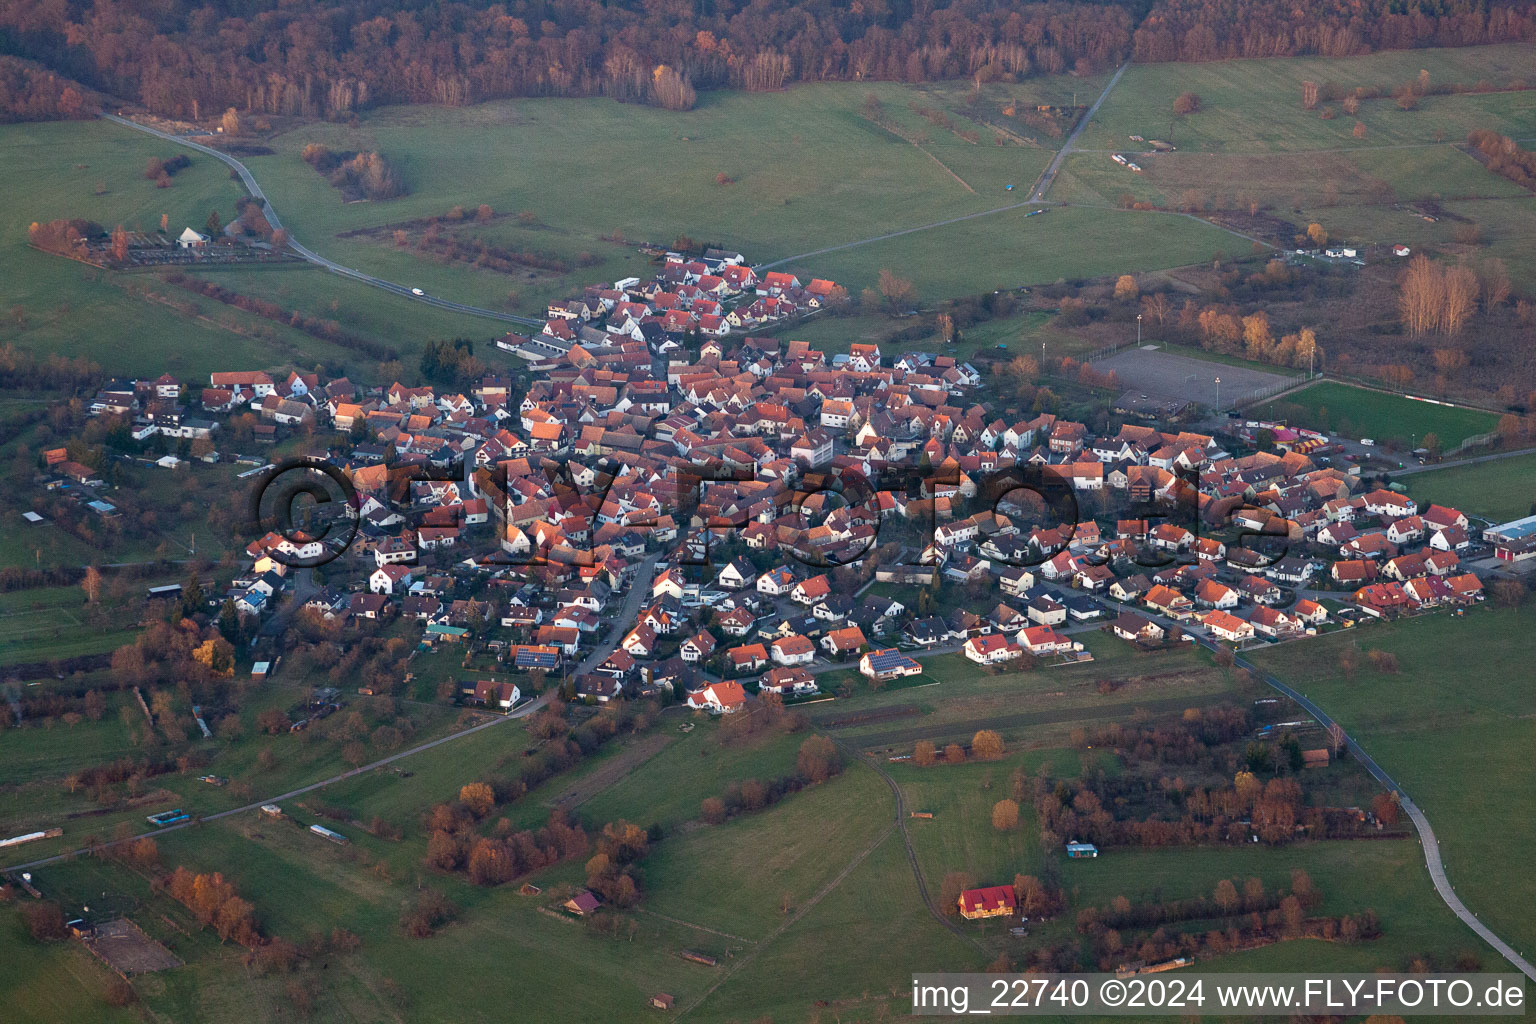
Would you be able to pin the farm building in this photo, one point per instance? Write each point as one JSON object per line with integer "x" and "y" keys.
{"x": 990, "y": 901}
{"x": 662, "y": 1001}
{"x": 582, "y": 904}
{"x": 1079, "y": 850}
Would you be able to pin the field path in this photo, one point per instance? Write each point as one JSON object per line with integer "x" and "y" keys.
{"x": 698, "y": 927}
{"x": 1039, "y": 189}
{"x": 1430, "y": 467}
{"x": 309, "y": 254}
{"x": 789, "y": 921}
{"x": 1049, "y": 175}
{"x": 906, "y": 839}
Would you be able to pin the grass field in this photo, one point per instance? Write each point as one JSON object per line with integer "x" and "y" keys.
{"x": 813, "y": 887}
{"x": 1039, "y": 707}
{"x": 1359, "y": 412}
{"x": 1498, "y": 491}
{"x": 1255, "y": 105}
{"x": 1010, "y": 249}
{"x": 852, "y": 179}
{"x": 1456, "y": 729}
{"x": 125, "y": 321}
{"x": 45, "y": 984}
{"x": 1315, "y": 181}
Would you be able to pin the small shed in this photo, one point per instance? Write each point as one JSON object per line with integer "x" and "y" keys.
{"x": 663, "y": 1001}
{"x": 1077, "y": 850}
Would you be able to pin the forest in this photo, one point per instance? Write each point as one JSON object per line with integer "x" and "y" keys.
{"x": 327, "y": 58}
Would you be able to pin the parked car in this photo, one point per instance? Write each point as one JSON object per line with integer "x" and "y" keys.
{"x": 1367, "y": 442}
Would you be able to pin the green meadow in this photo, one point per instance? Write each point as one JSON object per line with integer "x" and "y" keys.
{"x": 1455, "y": 727}
{"x": 1383, "y": 417}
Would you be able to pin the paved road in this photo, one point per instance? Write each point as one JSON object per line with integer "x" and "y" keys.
{"x": 1452, "y": 463}
{"x": 310, "y": 255}
{"x": 1427, "y": 840}
{"x": 1049, "y": 177}
{"x": 641, "y": 586}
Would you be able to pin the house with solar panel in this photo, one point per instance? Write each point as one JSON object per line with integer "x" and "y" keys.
{"x": 888, "y": 664}
{"x": 528, "y": 657}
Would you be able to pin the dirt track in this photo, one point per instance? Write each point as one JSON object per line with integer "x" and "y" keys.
{"x": 961, "y": 730}
{"x": 612, "y": 770}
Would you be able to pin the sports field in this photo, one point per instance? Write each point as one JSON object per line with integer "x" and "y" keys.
{"x": 1499, "y": 490}
{"x": 1158, "y": 374}
{"x": 1355, "y": 412}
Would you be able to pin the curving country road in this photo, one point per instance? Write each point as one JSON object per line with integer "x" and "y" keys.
{"x": 1426, "y": 834}
{"x": 309, "y": 254}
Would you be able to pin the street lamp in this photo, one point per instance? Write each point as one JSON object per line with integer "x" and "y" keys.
{"x": 1218, "y": 392}
{"x": 1138, "y": 330}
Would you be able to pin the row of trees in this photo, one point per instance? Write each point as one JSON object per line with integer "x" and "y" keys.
{"x": 481, "y": 253}
{"x": 817, "y": 761}
{"x": 1200, "y": 30}
{"x": 1505, "y": 156}
{"x": 1228, "y": 899}
{"x": 329, "y": 57}
{"x": 216, "y": 904}
{"x": 326, "y": 330}
{"x": 1436, "y": 297}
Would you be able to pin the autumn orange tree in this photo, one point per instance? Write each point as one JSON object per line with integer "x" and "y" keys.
{"x": 987, "y": 744}
{"x": 899, "y": 293}
{"x": 818, "y": 759}
{"x": 1005, "y": 815}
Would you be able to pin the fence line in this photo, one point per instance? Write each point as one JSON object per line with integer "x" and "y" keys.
{"x": 1475, "y": 441}
{"x": 1259, "y": 394}
{"x": 1106, "y": 352}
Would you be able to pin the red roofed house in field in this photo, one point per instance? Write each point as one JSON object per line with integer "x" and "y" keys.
{"x": 1168, "y": 601}
{"x": 1379, "y": 599}
{"x": 817, "y": 588}
{"x": 1039, "y": 640}
{"x": 747, "y": 658}
{"x": 776, "y": 282}
{"x": 992, "y": 901}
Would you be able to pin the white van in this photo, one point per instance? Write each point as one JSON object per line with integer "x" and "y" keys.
{"x": 1366, "y": 442}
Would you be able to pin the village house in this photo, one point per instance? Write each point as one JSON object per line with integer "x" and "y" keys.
{"x": 719, "y": 698}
